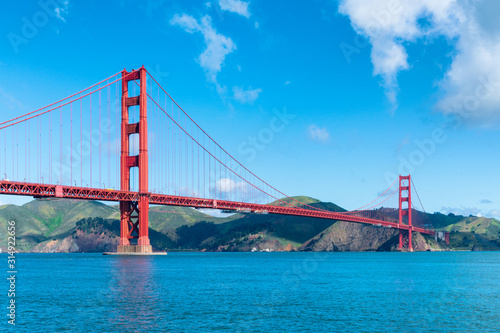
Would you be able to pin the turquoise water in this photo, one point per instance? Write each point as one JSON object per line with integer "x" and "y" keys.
{"x": 258, "y": 292}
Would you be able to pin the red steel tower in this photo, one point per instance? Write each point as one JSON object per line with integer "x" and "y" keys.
{"x": 405, "y": 208}
{"x": 134, "y": 236}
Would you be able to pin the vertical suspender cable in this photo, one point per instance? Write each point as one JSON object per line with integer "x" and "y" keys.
{"x": 100, "y": 140}
{"x": 13, "y": 154}
{"x": 81, "y": 143}
{"x": 60, "y": 147}
{"x": 198, "y": 147}
{"x": 71, "y": 146}
{"x": 37, "y": 151}
{"x": 107, "y": 141}
{"x": 90, "y": 140}
{"x": 118, "y": 153}
{"x": 204, "y": 170}
{"x": 29, "y": 152}
{"x": 180, "y": 155}
{"x": 17, "y": 153}
{"x": 50, "y": 147}
{"x": 25, "y": 150}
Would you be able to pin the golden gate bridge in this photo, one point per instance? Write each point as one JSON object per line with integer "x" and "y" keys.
{"x": 125, "y": 139}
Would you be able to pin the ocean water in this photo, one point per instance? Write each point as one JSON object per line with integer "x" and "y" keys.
{"x": 257, "y": 292}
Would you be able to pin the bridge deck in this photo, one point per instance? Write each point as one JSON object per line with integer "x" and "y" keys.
{"x": 83, "y": 193}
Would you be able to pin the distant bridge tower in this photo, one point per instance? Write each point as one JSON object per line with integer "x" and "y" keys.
{"x": 134, "y": 214}
{"x": 405, "y": 209}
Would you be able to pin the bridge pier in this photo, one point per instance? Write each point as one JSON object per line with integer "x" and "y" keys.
{"x": 134, "y": 215}
{"x": 400, "y": 246}
{"x": 410, "y": 245}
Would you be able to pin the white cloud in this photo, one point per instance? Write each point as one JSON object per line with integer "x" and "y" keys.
{"x": 226, "y": 188}
{"x": 62, "y": 10}
{"x": 495, "y": 213}
{"x": 187, "y": 22}
{"x": 227, "y": 185}
{"x": 319, "y": 134}
{"x": 217, "y": 46}
{"x": 235, "y": 6}
{"x": 246, "y": 96}
{"x": 470, "y": 87}
{"x": 215, "y": 212}
{"x": 465, "y": 211}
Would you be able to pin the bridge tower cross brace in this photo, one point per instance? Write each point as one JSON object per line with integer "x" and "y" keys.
{"x": 134, "y": 215}
{"x": 405, "y": 209}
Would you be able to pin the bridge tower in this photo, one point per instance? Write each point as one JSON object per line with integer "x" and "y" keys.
{"x": 134, "y": 236}
{"x": 405, "y": 209}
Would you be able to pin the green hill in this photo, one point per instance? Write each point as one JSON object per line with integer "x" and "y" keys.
{"x": 465, "y": 231}
{"x": 475, "y": 232}
{"x": 44, "y": 219}
{"x": 164, "y": 218}
{"x": 295, "y": 201}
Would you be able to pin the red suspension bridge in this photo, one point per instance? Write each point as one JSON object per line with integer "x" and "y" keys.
{"x": 158, "y": 155}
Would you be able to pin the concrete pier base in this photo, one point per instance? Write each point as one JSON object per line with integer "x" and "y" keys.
{"x": 134, "y": 250}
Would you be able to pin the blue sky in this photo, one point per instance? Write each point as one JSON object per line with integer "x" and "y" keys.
{"x": 361, "y": 92}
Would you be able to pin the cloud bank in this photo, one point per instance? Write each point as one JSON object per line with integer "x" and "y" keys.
{"x": 62, "y": 10}
{"x": 470, "y": 89}
{"x": 318, "y": 134}
{"x": 247, "y": 96}
{"x": 235, "y": 6}
{"x": 217, "y": 46}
